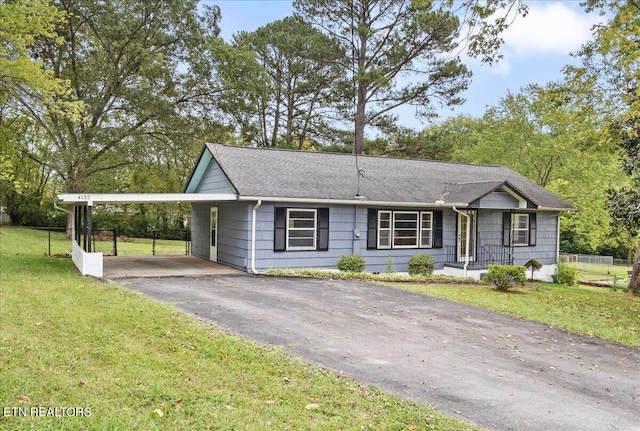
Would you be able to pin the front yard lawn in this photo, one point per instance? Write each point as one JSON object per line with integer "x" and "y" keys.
{"x": 596, "y": 311}
{"x": 104, "y": 358}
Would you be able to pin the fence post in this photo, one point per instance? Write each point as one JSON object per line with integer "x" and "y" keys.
{"x": 153, "y": 247}
{"x": 115, "y": 241}
{"x": 49, "y": 230}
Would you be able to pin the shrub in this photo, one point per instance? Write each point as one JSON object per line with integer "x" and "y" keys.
{"x": 351, "y": 263}
{"x": 532, "y": 265}
{"x": 565, "y": 274}
{"x": 421, "y": 264}
{"x": 504, "y": 277}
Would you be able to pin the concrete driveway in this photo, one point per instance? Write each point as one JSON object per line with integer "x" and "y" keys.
{"x": 497, "y": 371}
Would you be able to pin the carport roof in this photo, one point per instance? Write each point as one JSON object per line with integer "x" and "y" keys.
{"x": 104, "y": 198}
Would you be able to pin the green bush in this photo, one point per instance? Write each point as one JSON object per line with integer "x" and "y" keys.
{"x": 351, "y": 263}
{"x": 504, "y": 277}
{"x": 421, "y": 264}
{"x": 565, "y": 274}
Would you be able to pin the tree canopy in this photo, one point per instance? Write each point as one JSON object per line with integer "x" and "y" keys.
{"x": 405, "y": 52}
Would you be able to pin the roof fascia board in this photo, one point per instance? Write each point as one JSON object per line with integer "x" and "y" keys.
{"x": 198, "y": 170}
{"x": 361, "y": 202}
{"x": 99, "y": 198}
{"x": 216, "y": 157}
{"x": 377, "y": 203}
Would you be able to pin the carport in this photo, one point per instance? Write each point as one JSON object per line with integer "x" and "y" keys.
{"x": 81, "y": 206}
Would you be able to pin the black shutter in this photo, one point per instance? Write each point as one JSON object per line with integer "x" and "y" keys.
{"x": 372, "y": 229}
{"x": 533, "y": 228}
{"x": 280, "y": 231}
{"x": 323, "y": 229}
{"x": 437, "y": 229}
{"x": 506, "y": 229}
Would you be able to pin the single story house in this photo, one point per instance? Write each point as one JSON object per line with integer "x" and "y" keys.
{"x": 300, "y": 209}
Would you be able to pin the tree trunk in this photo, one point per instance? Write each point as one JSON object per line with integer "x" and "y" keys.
{"x": 634, "y": 281}
{"x": 358, "y": 143}
{"x": 69, "y": 230}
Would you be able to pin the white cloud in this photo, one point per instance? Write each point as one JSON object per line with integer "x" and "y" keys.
{"x": 549, "y": 28}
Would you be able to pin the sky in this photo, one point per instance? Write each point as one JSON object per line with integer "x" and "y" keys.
{"x": 536, "y": 49}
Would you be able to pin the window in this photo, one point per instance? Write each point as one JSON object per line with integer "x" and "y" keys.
{"x": 404, "y": 229}
{"x": 301, "y": 229}
{"x": 384, "y": 229}
{"x": 426, "y": 229}
{"x": 519, "y": 229}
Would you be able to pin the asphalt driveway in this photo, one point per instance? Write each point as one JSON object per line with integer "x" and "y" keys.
{"x": 497, "y": 371}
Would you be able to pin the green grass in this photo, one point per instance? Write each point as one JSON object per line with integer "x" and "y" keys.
{"x": 71, "y": 341}
{"x": 614, "y": 316}
{"x": 37, "y": 242}
{"x": 595, "y": 271}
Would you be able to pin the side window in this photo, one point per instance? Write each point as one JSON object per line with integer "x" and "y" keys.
{"x": 301, "y": 229}
{"x": 519, "y": 229}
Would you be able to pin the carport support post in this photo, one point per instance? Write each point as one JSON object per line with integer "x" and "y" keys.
{"x": 77, "y": 233}
{"x": 88, "y": 228}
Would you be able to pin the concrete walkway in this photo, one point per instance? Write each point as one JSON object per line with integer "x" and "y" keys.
{"x": 163, "y": 266}
{"x": 500, "y": 372}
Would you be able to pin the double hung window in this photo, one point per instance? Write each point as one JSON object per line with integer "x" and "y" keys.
{"x": 301, "y": 229}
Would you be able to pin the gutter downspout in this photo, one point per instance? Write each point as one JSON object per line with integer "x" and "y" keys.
{"x": 466, "y": 252}
{"x": 558, "y": 240}
{"x": 253, "y": 236}
{"x": 55, "y": 205}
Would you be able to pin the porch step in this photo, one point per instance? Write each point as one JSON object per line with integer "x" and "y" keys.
{"x": 472, "y": 265}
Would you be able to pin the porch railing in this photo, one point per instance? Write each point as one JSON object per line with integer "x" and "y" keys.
{"x": 488, "y": 254}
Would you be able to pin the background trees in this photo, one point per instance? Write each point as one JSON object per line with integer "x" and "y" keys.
{"x": 611, "y": 66}
{"x": 299, "y": 96}
{"x": 145, "y": 74}
{"x": 403, "y": 52}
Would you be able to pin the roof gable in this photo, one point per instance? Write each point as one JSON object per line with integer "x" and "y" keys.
{"x": 287, "y": 174}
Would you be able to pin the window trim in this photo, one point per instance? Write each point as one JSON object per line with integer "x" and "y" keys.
{"x": 421, "y": 229}
{"x": 515, "y": 229}
{"x": 314, "y": 247}
{"x": 389, "y": 229}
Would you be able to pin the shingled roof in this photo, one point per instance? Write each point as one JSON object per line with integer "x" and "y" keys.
{"x": 287, "y": 174}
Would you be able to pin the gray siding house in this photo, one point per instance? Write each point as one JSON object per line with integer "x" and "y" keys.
{"x": 297, "y": 209}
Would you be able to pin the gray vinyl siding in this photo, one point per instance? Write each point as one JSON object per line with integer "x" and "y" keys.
{"x": 342, "y": 240}
{"x": 490, "y": 233}
{"x": 546, "y": 241}
{"x": 200, "y": 224}
{"x": 377, "y": 260}
{"x": 498, "y": 200}
{"x": 214, "y": 180}
{"x": 234, "y": 234}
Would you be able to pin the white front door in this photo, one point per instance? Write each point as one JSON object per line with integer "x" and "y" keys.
{"x": 213, "y": 235}
{"x": 463, "y": 223}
